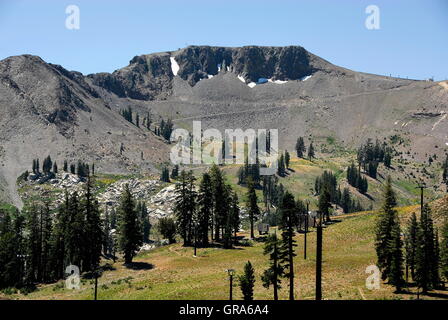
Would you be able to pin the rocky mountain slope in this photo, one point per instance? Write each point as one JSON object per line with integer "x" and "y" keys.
{"x": 49, "y": 110}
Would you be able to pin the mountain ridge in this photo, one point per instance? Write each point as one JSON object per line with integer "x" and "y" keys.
{"x": 50, "y": 110}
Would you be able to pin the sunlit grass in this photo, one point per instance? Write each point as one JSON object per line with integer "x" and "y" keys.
{"x": 348, "y": 250}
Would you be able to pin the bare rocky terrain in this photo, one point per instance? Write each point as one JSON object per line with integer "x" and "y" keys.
{"x": 49, "y": 110}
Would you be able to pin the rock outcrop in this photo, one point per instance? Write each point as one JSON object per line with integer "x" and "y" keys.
{"x": 150, "y": 77}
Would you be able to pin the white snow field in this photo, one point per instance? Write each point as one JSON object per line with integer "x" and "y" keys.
{"x": 305, "y": 78}
{"x": 174, "y": 66}
{"x": 277, "y": 81}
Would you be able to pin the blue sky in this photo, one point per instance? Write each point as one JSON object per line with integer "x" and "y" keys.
{"x": 412, "y": 40}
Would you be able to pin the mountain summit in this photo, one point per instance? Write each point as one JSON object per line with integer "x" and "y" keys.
{"x": 47, "y": 109}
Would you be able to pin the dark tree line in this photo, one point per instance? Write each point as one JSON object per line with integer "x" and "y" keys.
{"x": 48, "y": 241}
{"x": 422, "y": 251}
{"x": 49, "y": 166}
{"x": 37, "y": 245}
{"x": 370, "y": 155}
{"x": 388, "y": 242}
{"x": 355, "y": 179}
{"x": 212, "y": 210}
{"x": 252, "y": 171}
{"x": 272, "y": 192}
{"x": 326, "y": 187}
{"x": 127, "y": 114}
{"x": 419, "y": 252}
{"x": 165, "y": 129}
{"x": 301, "y": 149}
{"x": 249, "y": 171}
{"x": 283, "y": 164}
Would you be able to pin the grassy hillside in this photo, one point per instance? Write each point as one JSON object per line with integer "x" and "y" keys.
{"x": 171, "y": 272}
{"x": 303, "y": 173}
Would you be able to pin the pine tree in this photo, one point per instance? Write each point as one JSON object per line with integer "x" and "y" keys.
{"x": 346, "y": 201}
{"x": 228, "y": 229}
{"x": 93, "y": 229}
{"x": 288, "y": 221}
{"x": 387, "y": 159}
{"x": 167, "y": 228}
{"x": 175, "y": 172}
{"x": 247, "y": 282}
{"x": 165, "y": 175}
{"x": 281, "y": 166}
{"x": 444, "y": 173}
{"x": 300, "y": 147}
{"x": 272, "y": 275}
{"x": 65, "y": 166}
{"x": 355, "y": 179}
{"x": 142, "y": 211}
{"x": 235, "y": 213}
{"x": 59, "y": 241}
{"x": 108, "y": 242}
{"x": 372, "y": 169}
{"x": 55, "y": 168}
{"x": 221, "y": 204}
{"x": 388, "y": 242}
{"x": 33, "y": 245}
{"x": 75, "y": 233}
{"x": 205, "y": 205}
{"x": 130, "y": 237}
{"x": 427, "y": 260}
{"x": 411, "y": 244}
{"x": 311, "y": 153}
{"x": 287, "y": 159}
{"x": 46, "y": 228}
{"x": 11, "y": 249}
{"x": 252, "y": 206}
{"x": 185, "y": 204}
{"x": 396, "y": 267}
{"x": 444, "y": 250}
{"x": 47, "y": 165}
{"x": 324, "y": 203}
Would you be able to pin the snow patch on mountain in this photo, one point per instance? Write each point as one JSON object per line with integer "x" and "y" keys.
{"x": 174, "y": 66}
{"x": 305, "y": 78}
{"x": 277, "y": 81}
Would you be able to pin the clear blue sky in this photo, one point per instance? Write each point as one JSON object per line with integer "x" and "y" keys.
{"x": 412, "y": 41}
